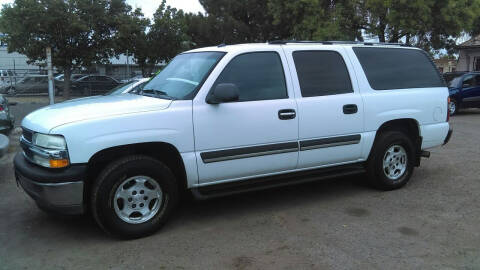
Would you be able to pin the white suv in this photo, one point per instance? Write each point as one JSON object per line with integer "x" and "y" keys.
{"x": 227, "y": 119}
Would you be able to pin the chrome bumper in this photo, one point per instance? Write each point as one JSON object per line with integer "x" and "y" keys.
{"x": 63, "y": 197}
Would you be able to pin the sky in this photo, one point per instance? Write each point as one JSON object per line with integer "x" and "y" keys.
{"x": 150, "y": 6}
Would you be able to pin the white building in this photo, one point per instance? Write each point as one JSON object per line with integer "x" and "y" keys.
{"x": 469, "y": 55}
{"x": 14, "y": 60}
{"x": 120, "y": 68}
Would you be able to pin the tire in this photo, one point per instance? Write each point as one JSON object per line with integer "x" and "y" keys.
{"x": 11, "y": 91}
{"x": 58, "y": 92}
{"x": 86, "y": 91}
{"x": 394, "y": 173}
{"x": 453, "y": 107}
{"x": 112, "y": 182}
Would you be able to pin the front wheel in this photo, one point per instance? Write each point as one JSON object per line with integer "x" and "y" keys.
{"x": 453, "y": 107}
{"x": 11, "y": 91}
{"x": 134, "y": 196}
{"x": 391, "y": 161}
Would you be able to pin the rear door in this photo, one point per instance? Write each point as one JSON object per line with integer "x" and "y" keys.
{"x": 330, "y": 108}
{"x": 257, "y": 135}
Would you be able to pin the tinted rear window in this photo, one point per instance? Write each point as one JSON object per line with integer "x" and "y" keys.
{"x": 398, "y": 68}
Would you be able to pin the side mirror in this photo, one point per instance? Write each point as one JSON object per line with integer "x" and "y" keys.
{"x": 466, "y": 85}
{"x": 223, "y": 92}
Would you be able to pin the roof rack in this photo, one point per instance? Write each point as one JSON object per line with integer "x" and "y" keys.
{"x": 334, "y": 42}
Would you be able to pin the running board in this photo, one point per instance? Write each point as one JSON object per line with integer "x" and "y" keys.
{"x": 225, "y": 189}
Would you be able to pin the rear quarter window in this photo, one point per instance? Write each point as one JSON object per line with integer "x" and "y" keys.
{"x": 392, "y": 68}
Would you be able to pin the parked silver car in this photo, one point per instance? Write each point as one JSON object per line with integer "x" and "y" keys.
{"x": 30, "y": 84}
{"x": 7, "y": 119}
{"x": 130, "y": 87}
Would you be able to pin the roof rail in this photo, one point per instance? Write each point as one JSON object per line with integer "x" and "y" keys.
{"x": 334, "y": 42}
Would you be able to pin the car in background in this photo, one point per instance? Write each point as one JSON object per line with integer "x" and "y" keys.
{"x": 7, "y": 119}
{"x": 93, "y": 85}
{"x": 137, "y": 77}
{"x": 449, "y": 76}
{"x": 133, "y": 87}
{"x": 4, "y": 141}
{"x": 464, "y": 92}
{"x": 59, "y": 82}
{"x": 73, "y": 77}
{"x": 6, "y": 76}
{"x": 30, "y": 84}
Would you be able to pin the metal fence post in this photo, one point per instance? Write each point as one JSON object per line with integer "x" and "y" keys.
{"x": 51, "y": 94}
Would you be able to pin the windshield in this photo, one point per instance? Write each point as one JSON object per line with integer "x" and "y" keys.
{"x": 455, "y": 82}
{"x": 182, "y": 76}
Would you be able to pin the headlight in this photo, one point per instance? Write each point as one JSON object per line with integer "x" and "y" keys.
{"x": 46, "y": 150}
{"x": 49, "y": 141}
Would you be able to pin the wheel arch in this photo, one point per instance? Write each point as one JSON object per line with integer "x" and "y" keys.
{"x": 410, "y": 127}
{"x": 165, "y": 152}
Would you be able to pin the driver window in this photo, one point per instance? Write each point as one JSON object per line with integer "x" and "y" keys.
{"x": 468, "y": 80}
{"x": 258, "y": 76}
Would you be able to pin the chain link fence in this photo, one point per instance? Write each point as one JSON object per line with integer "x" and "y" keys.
{"x": 29, "y": 82}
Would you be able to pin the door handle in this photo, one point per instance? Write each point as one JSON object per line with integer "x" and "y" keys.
{"x": 350, "y": 109}
{"x": 286, "y": 114}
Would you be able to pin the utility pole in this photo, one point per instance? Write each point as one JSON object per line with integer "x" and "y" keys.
{"x": 14, "y": 74}
{"x": 51, "y": 95}
{"x": 128, "y": 68}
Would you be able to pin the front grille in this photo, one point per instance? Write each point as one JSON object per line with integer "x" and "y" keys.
{"x": 27, "y": 135}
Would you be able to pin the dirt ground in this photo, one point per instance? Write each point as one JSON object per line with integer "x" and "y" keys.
{"x": 432, "y": 223}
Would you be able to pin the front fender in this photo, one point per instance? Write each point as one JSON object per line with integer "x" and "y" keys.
{"x": 173, "y": 126}
{"x": 455, "y": 94}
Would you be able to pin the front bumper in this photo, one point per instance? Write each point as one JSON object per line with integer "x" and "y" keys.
{"x": 55, "y": 190}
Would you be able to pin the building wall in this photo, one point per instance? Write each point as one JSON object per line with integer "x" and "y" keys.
{"x": 13, "y": 60}
{"x": 466, "y": 59}
{"x": 117, "y": 69}
{"x": 446, "y": 65}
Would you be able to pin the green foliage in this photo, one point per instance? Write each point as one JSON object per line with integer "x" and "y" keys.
{"x": 82, "y": 32}
{"x": 430, "y": 24}
{"x": 151, "y": 43}
{"x": 78, "y": 31}
{"x": 317, "y": 19}
{"x": 240, "y": 21}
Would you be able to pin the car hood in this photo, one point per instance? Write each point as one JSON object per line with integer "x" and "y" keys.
{"x": 453, "y": 89}
{"x": 47, "y": 118}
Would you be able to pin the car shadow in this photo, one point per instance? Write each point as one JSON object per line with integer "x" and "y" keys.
{"x": 265, "y": 201}
{"x": 192, "y": 212}
{"x": 464, "y": 112}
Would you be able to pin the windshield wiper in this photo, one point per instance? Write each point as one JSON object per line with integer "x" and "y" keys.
{"x": 157, "y": 93}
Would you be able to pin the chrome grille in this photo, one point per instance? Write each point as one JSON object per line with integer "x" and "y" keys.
{"x": 27, "y": 135}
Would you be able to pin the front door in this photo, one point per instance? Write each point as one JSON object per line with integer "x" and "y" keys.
{"x": 471, "y": 91}
{"x": 248, "y": 137}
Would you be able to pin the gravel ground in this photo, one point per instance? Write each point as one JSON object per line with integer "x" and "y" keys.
{"x": 432, "y": 223}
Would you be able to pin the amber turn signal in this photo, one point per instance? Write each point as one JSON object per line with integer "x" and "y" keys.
{"x": 58, "y": 163}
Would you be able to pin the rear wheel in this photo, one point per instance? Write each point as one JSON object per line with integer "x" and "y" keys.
{"x": 58, "y": 91}
{"x": 134, "y": 196}
{"x": 391, "y": 161}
